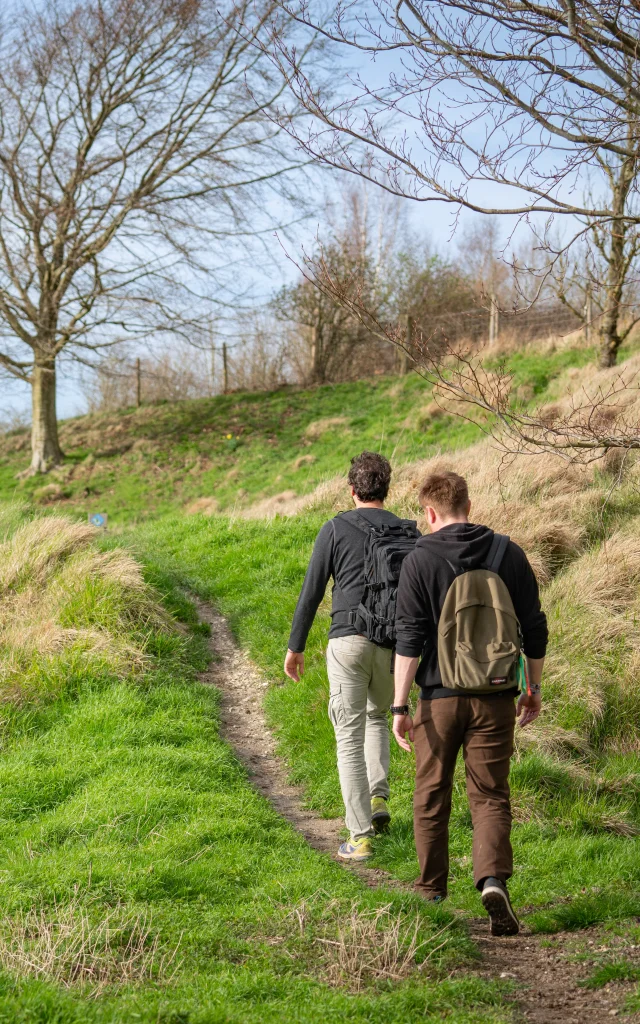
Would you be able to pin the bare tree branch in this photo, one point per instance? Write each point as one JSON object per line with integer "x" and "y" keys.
{"x": 134, "y": 137}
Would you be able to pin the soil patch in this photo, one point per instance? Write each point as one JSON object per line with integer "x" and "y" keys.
{"x": 546, "y": 971}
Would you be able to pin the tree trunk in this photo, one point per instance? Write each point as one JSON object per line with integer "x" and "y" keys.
{"x": 317, "y": 352}
{"x": 617, "y": 266}
{"x": 609, "y": 342}
{"x": 45, "y": 446}
{"x": 610, "y": 339}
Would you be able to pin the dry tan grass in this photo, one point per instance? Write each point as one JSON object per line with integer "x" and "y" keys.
{"x": 360, "y": 947}
{"x": 377, "y": 945}
{"x": 36, "y": 549}
{"x": 48, "y": 494}
{"x": 605, "y": 585}
{"x": 422, "y": 418}
{"x": 66, "y": 946}
{"x": 542, "y": 505}
{"x": 202, "y": 507}
{"x": 286, "y": 503}
{"x": 331, "y": 495}
{"x": 595, "y": 659}
{"x": 556, "y": 742}
{"x": 47, "y": 565}
{"x": 315, "y": 430}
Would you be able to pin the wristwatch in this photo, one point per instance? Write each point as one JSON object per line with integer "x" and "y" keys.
{"x": 400, "y": 709}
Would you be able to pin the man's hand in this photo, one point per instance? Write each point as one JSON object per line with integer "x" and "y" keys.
{"x": 294, "y": 666}
{"x": 528, "y": 707}
{"x": 403, "y": 727}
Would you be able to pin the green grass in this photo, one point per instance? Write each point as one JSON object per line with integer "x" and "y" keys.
{"x": 236, "y": 448}
{"x": 120, "y": 802}
{"x": 241, "y": 448}
{"x": 571, "y": 863}
{"x": 619, "y": 970}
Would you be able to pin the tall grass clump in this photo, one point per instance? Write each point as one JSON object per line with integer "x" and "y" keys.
{"x": 594, "y": 609}
{"x": 67, "y": 609}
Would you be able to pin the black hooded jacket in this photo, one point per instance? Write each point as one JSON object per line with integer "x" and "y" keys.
{"x": 425, "y": 579}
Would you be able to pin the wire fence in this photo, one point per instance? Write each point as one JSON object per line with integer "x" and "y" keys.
{"x": 201, "y": 372}
{"x": 491, "y": 323}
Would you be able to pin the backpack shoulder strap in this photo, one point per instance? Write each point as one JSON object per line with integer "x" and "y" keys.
{"x": 497, "y": 551}
{"x": 361, "y": 523}
{"x": 358, "y": 522}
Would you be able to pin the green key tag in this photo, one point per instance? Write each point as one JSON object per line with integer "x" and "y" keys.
{"x": 522, "y": 676}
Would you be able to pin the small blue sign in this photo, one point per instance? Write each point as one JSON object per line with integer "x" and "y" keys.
{"x": 98, "y": 519}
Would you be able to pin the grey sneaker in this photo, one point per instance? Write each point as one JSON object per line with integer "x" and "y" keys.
{"x": 496, "y": 902}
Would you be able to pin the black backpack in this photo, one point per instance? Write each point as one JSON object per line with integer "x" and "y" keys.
{"x": 385, "y": 549}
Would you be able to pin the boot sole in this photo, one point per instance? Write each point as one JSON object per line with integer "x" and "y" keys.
{"x": 503, "y": 920}
{"x": 355, "y": 859}
{"x": 381, "y": 822}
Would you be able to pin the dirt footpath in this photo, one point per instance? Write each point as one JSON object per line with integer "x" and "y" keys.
{"x": 546, "y": 970}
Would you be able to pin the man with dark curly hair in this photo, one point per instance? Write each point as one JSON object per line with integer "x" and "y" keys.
{"x": 360, "y": 674}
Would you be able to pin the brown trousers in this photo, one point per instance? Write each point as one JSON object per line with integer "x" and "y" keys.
{"x": 484, "y": 729}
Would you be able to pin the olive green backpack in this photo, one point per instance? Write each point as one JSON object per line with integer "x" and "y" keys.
{"x": 479, "y": 637}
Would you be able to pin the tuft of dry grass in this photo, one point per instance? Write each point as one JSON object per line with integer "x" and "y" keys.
{"x": 67, "y": 946}
{"x": 596, "y": 652}
{"x": 377, "y": 945}
{"x": 358, "y": 947}
{"x": 203, "y": 507}
{"x": 318, "y": 428}
{"x": 58, "y": 592}
{"x": 286, "y": 503}
{"x": 560, "y": 744}
{"x": 38, "y": 547}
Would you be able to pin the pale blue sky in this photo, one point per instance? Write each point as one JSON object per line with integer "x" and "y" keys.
{"x": 265, "y": 271}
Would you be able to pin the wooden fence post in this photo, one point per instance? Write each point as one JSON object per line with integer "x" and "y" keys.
{"x": 587, "y": 317}
{"x": 402, "y": 354}
{"x": 225, "y": 367}
{"x": 138, "y": 383}
{"x": 493, "y": 321}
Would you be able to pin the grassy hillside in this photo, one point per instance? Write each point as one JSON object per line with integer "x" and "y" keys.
{"x": 142, "y": 878}
{"x": 576, "y": 778}
{"x": 233, "y": 451}
{"x": 135, "y": 847}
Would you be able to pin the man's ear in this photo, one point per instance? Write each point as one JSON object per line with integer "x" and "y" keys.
{"x": 430, "y": 514}
{"x": 468, "y": 509}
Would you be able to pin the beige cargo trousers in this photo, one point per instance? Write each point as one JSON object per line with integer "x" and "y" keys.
{"x": 360, "y": 693}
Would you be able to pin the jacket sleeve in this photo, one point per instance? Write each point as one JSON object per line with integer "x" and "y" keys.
{"x": 413, "y": 617}
{"x": 526, "y": 602}
{"x": 318, "y": 574}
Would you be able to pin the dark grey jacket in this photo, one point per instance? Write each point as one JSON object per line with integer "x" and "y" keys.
{"x": 339, "y": 553}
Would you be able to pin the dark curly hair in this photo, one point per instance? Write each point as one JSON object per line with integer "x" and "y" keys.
{"x": 370, "y": 476}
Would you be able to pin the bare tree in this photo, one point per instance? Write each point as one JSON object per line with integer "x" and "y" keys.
{"x": 133, "y": 137}
{"x": 362, "y": 255}
{"x": 597, "y": 280}
{"x": 541, "y": 100}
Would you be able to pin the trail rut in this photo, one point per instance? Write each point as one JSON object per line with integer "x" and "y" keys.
{"x": 546, "y": 971}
